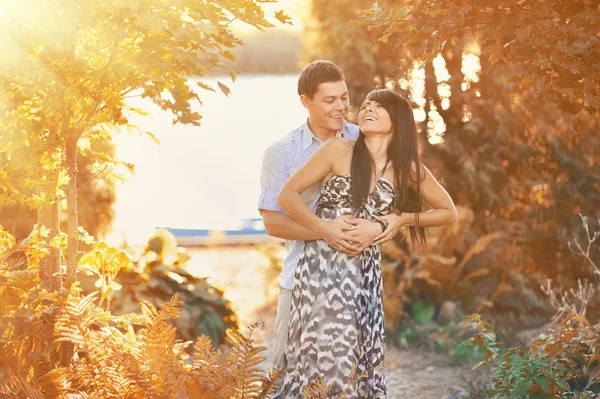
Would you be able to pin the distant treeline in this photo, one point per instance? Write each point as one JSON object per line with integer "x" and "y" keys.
{"x": 271, "y": 51}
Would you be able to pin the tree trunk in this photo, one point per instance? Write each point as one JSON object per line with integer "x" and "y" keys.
{"x": 50, "y": 277}
{"x": 72, "y": 256}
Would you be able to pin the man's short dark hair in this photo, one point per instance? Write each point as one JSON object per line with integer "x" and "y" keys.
{"x": 314, "y": 74}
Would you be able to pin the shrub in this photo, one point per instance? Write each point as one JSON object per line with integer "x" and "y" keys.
{"x": 110, "y": 359}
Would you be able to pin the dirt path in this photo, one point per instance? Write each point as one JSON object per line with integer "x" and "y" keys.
{"x": 241, "y": 272}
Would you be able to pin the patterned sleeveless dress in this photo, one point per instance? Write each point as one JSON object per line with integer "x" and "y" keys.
{"x": 336, "y": 322}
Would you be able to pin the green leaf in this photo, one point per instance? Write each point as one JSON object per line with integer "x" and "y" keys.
{"x": 543, "y": 382}
{"x": 522, "y": 387}
{"x": 562, "y": 384}
{"x": 423, "y": 311}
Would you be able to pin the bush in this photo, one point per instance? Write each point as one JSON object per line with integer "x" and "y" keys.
{"x": 559, "y": 365}
{"x": 155, "y": 275}
{"x": 110, "y": 359}
{"x": 445, "y": 270}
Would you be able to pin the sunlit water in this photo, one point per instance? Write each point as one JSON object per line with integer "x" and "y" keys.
{"x": 242, "y": 272}
{"x": 207, "y": 176}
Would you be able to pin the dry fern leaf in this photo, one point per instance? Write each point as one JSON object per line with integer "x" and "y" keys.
{"x": 320, "y": 390}
{"x": 74, "y": 321}
{"x": 270, "y": 383}
{"x": 478, "y": 247}
{"x": 168, "y": 311}
{"x": 246, "y": 360}
{"x": 204, "y": 352}
{"x": 24, "y": 389}
{"x": 476, "y": 273}
{"x": 149, "y": 311}
{"x": 56, "y": 382}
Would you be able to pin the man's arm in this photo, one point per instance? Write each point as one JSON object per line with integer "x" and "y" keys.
{"x": 282, "y": 226}
{"x": 272, "y": 177}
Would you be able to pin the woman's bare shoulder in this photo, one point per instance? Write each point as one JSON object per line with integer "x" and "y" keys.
{"x": 339, "y": 145}
{"x": 339, "y": 152}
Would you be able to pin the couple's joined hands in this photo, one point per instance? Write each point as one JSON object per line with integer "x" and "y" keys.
{"x": 353, "y": 235}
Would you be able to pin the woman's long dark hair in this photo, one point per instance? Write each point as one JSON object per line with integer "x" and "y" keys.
{"x": 403, "y": 154}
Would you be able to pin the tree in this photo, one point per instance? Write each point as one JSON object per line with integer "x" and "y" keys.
{"x": 366, "y": 62}
{"x": 506, "y": 150}
{"x": 67, "y": 70}
{"x": 95, "y": 198}
{"x": 554, "y": 42}
{"x": 515, "y": 150}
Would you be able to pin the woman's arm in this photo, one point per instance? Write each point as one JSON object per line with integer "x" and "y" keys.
{"x": 443, "y": 210}
{"x": 319, "y": 165}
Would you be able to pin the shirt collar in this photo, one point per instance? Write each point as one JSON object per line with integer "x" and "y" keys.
{"x": 308, "y": 137}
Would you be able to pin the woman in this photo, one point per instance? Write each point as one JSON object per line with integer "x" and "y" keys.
{"x": 336, "y": 325}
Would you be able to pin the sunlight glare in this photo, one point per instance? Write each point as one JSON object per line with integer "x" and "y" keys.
{"x": 467, "y": 115}
{"x": 419, "y": 115}
{"x": 445, "y": 103}
{"x": 418, "y": 85}
{"x": 442, "y": 76}
{"x": 435, "y": 126}
{"x": 471, "y": 69}
{"x": 441, "y": 72}
{"x": 404, "y": 84}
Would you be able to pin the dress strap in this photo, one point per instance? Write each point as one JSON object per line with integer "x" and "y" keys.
{"x": 384, "y": 166}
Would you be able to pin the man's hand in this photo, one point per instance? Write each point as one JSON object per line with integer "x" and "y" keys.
{"x": 393, "y": 222}
{"x": 365, "y": 233}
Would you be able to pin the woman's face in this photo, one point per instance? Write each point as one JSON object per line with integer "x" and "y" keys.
{"x": 374, "y": 119}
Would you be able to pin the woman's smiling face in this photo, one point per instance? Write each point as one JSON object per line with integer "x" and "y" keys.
{"x": 373, "y": 118}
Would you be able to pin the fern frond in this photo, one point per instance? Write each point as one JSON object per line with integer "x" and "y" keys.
{"x": 246, "y": 360}
{"x": 55, "y": 383}
{"x": 204, "y": 352}
{"x": 24, "y": 389}
{"x": 270, "y": 382}
{"x": 149, "y": 311}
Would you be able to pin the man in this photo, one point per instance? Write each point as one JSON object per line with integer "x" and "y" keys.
{"x": 324, "y": 94}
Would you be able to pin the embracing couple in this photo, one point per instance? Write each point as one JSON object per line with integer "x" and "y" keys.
{"x": 335, "y": 192}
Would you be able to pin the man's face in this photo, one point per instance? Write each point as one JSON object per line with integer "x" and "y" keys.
{"x": 328, "y": 107}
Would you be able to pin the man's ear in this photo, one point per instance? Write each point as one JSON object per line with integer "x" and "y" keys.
{"x": 304, "y": 100}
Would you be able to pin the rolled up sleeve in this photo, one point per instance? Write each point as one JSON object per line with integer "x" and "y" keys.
{"x": 272, "y": 177}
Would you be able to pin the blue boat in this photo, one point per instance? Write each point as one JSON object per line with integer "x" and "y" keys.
{"x": 251, "y": 231}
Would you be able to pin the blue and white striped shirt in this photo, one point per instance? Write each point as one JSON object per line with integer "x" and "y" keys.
{"x": 280, "y": 161}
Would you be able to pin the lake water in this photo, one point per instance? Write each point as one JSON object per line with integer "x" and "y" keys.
{"x": 207, "y": 176}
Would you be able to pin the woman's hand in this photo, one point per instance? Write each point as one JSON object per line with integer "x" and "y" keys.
{"x": 334, "y": 232}
{"x": 393, "y": 222}
{"x": 365, "y": 233}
